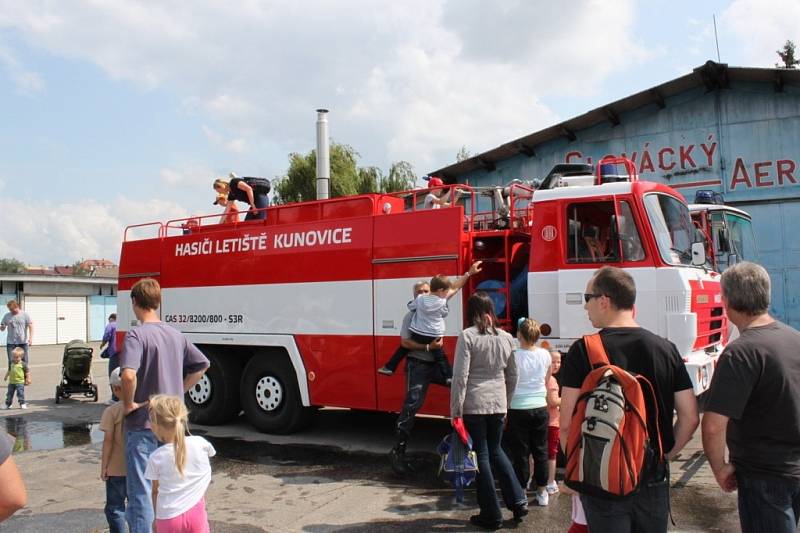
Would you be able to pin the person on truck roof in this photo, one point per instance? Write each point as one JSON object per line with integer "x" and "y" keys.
{"x": 252, "y": 191}
{"x": 438, "y": 197}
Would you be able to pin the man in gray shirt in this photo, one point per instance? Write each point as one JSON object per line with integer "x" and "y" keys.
{"x": 421, "y": 371}
{"x": 20, "y": 330}
{"x": 155, "y": 359}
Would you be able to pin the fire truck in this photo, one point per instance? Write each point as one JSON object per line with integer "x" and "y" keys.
{"x": 728, "y": 231}
{"x": 298, "y": 311}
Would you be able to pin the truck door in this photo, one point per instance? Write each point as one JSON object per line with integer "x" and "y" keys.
{"x": 409, "y": 247}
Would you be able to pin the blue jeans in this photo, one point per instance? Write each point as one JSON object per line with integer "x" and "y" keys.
{"x": 19, "y": 389}
{"x": 10, "y": 347}
{"x": 768, "y": 504}
{"x": 486, "y": 432}
{"x": 139, "y": 445}
{"x": 116, "y": 492}
{"x": 646, "y": 511}
{"x": 419, "y": 375}
{"x": 261, "y": 201}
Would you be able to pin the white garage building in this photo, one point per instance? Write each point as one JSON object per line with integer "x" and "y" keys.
{"x": 62, "y": 308}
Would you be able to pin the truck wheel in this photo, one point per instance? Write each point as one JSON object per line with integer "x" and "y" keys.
{"x": 270, "y": 395}
{"x": 215, "y": 398}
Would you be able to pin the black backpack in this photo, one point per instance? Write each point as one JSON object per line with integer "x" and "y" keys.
{"x": 259, "y": 185}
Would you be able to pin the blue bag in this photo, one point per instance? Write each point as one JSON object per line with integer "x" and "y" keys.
{"x": 459, "y": 463}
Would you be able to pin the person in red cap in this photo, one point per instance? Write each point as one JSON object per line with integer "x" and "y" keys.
{"x": 437, "y": 197}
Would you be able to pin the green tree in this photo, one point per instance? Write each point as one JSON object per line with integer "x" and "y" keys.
{"x": 369, "y": 180}
{"x": 787, "y": 55}
{"x": 300, "y": 182}
{"x": 12, "y": 266}
{"x": 79, "y": 270}
{"x": 401, "y": 177}
{"x": 463, "y": 154}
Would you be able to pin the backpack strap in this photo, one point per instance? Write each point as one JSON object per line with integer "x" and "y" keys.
{"x": 595, "y": 351}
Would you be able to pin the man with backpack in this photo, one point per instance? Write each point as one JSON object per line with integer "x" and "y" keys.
{"x": 649, "y": 373}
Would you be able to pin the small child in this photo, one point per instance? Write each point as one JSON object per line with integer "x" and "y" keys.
{"x": 17, "y": 376}
{"x": 553, "y": 405}
{"x": 427, "y": 324}
{"x": 229, "y": 215}
{"x": 112, "y": 463}
{"x": 180, "y": 470}
{"x": 438, "y": 197}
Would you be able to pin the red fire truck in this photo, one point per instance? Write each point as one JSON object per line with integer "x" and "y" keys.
{"x": 299, "y": 310}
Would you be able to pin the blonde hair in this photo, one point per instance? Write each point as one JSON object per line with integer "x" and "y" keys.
{"x": 226, "y": 187}
{"x": 18, "y": 351}
{"x": 170, "y": 415}
{"x": 529, "y": 330}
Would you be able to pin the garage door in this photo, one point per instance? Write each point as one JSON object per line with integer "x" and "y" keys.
{"x": 42, "y": 310}
{"x": 71, "y": 315}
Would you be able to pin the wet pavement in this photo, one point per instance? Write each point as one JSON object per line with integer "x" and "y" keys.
{"x": 332, "y": 477}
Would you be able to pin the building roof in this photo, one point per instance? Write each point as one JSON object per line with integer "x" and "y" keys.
{"x": 711, "y": 75}
{"x": 49, "y": 278}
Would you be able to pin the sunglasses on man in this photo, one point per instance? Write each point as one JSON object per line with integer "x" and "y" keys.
{"x": 588, "y": 296}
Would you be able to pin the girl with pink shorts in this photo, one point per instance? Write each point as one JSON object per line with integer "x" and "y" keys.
{"x": 180, "y": 470}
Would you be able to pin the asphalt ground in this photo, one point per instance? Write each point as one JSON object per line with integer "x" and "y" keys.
{"x": 332, "y": 477}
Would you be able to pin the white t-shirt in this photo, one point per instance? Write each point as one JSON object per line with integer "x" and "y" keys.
{"x": 430, "y": 201}
{"x": 531, "y": 390}
{"x": 429, "y": 314}
{"x": 177, "y": 494}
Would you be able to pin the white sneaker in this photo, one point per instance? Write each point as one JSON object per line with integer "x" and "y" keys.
{"x": 552, "y": 488}
{"x": 542, "y": 498}
{"x": 23, "y": 406}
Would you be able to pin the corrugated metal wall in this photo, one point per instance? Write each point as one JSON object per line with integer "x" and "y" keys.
{"x": 743, "y": 141}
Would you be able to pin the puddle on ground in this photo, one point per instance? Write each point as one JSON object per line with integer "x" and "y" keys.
{"x": 32, "y": 435}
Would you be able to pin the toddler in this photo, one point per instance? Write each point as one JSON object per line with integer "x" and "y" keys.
{"x": 553, "y": 405}
{"x": 427, "y": 324}
{"x": 180, "y": 470}
{"x": 112, "y": 463}
{"x": 17, "y": 376}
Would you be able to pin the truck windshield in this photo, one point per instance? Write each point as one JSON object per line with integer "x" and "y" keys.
{"x": 672, "y": 228}
{"x": 742, "y": 239}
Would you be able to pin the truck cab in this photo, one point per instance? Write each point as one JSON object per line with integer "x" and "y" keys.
{"x": 728, "y": 231}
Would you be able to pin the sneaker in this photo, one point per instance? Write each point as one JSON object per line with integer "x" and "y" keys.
{"x": 397, "y": 460}
{"x": 520, "y": 511}
{"x": 23, "y": 405}
{"x": 552, "y": 488}
{"x": 542, "y": 498}
{"x": 385, "y": 371}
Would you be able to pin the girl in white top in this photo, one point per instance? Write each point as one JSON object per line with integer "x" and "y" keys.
{"x": 180, "y": 470}
{"x": 528, "y": 418}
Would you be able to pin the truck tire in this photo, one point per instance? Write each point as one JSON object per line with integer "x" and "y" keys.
{"x": 215, "y": 398}
{"x": 270, "y": 395}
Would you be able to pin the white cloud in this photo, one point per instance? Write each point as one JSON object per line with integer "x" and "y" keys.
{"x": 49, "y": 233}
{"x": 414, "y": 80}
{"x": 186, "y": 175}
{"x": 27, "y": 82}
{"x": 760, "y": 27}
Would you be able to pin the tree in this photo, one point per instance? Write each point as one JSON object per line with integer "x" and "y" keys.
{"x": 401, "y": 177}
{"x": 787, "y": 55}
{"x": 300, "y": 182}
{"x": 369, "y": 180}
{"x": 463, "y": 154}
{"x": 79, "y": 270}
{"x": 12, "y": 266}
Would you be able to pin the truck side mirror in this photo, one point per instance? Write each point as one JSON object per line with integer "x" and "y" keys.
{"x": 698, "y": 254}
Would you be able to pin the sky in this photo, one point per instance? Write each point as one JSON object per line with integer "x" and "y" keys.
{"x": 119, "y": 112}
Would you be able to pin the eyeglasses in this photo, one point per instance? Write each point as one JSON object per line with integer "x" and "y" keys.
{"x": 588, "y": 296}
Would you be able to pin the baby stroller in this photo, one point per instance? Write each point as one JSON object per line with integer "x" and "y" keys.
{"x": 76, "y": 372}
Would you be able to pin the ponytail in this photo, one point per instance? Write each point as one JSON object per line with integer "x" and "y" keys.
{"x": 170, "y": 415}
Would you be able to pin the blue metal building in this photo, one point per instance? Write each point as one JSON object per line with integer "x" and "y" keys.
{"x": 734, "y": 130}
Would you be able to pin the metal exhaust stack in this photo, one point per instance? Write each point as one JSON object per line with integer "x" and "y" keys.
{"x": 323, "y": 156}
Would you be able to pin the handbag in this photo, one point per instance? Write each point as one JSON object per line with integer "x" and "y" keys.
{"x": 459, "y": 462}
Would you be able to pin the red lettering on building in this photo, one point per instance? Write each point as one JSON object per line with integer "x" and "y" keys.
{"x": 785, "y": 170}
{"x": 661, "y": 164}
{"x": 647, "y": 163}
{"x": 709, "y": 151}
{"x": 763, "y": 174}
{"x": 686, "y": 156}
{"x": 740, "y": 175}
{"x": 571, "y": 155}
